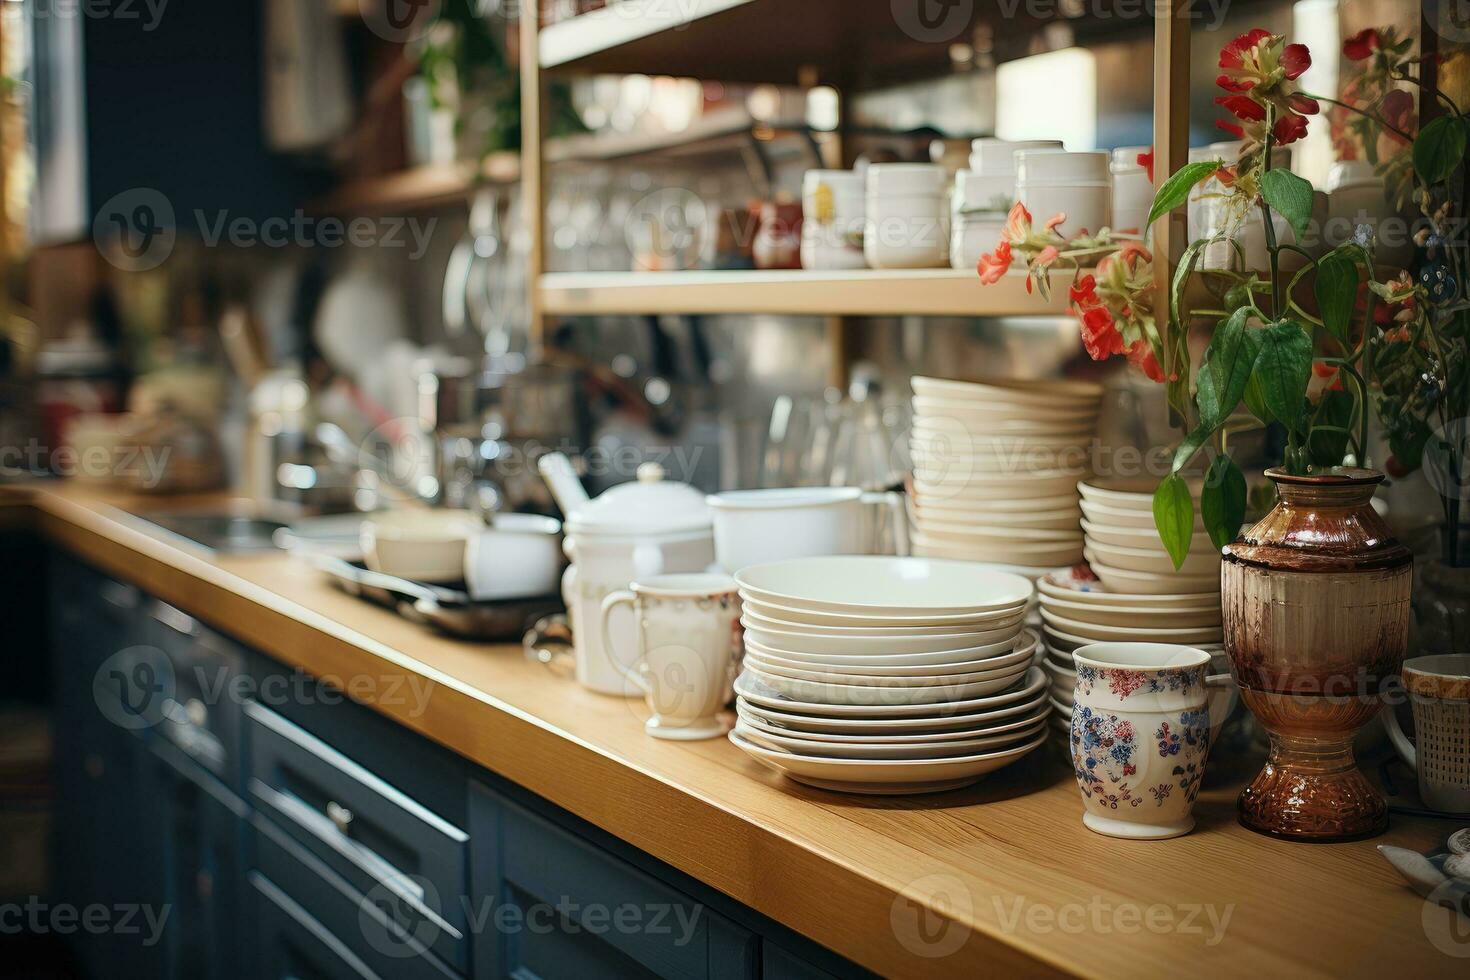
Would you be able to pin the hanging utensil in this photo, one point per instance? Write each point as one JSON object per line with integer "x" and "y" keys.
{"x": 464, "y": 276}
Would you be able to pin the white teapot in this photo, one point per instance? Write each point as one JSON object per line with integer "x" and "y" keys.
{"x": 633, "y": 531}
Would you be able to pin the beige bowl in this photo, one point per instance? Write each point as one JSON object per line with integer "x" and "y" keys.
{"x": 1155, "y": 560}
{"x": 999, "y": 534}
{"x": 1154, "y": 617}
{"x": 420, "y": 545}
{"x": 1153, "y": 583}
{"x": 1118, "y": 517}
{"x": 1146, "y": 539}
{"x": 1052, "y": 586}
{"x": 975, "y": 520}
{"x": 1031, "y": 556}
{"x": 1141, "y": 634}
{"x": 955, "y": 485}
{"x": 1045, "y": 393}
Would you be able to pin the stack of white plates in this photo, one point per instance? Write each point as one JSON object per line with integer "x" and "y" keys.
{"x": 995, "y": 469}
{"x": 873, "y": 674}
{"x": 1124, "y": 549}
{"x": 1077, "y": 610}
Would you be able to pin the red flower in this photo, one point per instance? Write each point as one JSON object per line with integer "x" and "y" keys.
{"x": 1146, "y": 161}
{"x": 1398, "y": 112}
{"x": 1084, "y": 293}
{"x": 1233, "y": 58}
{"x": 1100, "y": 334}
{"x": 994, "y": 265}
{"x": 1289, "y": 129}
{"x": 1242, "y": 107}
{"x": 1322, "y": 369}
{"x": 1046, "y": 256}
{"x": 1295, "y": 60}
{"x": 1230, "y": 127}
{"x": 1018, "y": 223}
{"x": 1361, "y": 45}
{"x": 1141, "y": 355}
{"x": 1056, "y": 221}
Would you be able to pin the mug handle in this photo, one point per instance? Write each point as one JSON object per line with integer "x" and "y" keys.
{"x": 1225, "y": 692}
{"x": 898, "y": 516}
{"x": 613, "y": 600}
{"x": 1400, "y": 741}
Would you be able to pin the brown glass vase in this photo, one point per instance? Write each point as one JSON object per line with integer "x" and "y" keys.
{"x": 1316, "y": 612}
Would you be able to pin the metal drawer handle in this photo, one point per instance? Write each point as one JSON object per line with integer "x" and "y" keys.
{"x": 340, "y": 816}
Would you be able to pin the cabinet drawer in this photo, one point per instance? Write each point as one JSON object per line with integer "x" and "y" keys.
{"x": 371, "y": 927}
{"x": 375, "y": 838}
{"x": 580, "y": 910}
{"x": 291, "y": 945}
{"x": 202, "y": 715}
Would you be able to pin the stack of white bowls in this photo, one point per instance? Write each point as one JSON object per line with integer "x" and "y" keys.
{"x": 874, "y": 674}
{"x": 996, "y": 468}
{"x": 1078, "y": 185}
{"x": 1124, "y": 548}
{"x": 1078, "y": 610}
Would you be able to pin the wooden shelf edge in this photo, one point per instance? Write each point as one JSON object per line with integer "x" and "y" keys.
{"x": 919, "y": 292}
{"x": 619, "y": 23}
{"x": 427, "y": 186}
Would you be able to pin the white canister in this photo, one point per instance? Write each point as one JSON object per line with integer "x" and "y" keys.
{"x": 997, "y": 157}
{"x": 978, "y": 209}
{"x": 907, "y": 223}
{"x": 833, "y": 214}
{"x": 753, "y": 527}
{"x": 977, "y": 192}
{"x": 1078, "y": 185}
{"x": 973, "y": 235}
{"x": 1133, "y": 192}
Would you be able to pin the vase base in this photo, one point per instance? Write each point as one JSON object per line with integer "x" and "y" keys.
{"x": 1129, "y": 830}
{"x": 1312, "y": 805}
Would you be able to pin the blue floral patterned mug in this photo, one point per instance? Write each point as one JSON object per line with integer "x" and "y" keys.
{"x": 1140, "y": 736}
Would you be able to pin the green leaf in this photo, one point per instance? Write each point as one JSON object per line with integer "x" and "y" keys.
{"x": 1174, "y": 517}
{"x": 1222, "y": 502}
{"x": 1255, "y": 397}
{"x": 1290, "y": 197}
{"x": 1337, "y": 292}
{"x": 1175, "y": 190}
{"x": 1177, "y": 339}
{"x": 1439, "y": 149}
{"x": 1284, "y": 367}
{"x": 1191, "y": 445}
{"x": 1326, "y": 447}
{"x": 1226, "y": 369}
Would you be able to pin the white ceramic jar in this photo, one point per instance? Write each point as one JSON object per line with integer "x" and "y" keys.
{"x": 907, "y": 221}
{"x": 996, "y": 158}
{"x": 1133, "y": 192}
{"x": 1050, "y": 182}
{"x": 636, "y": 530}
{"x": 977, "y": 215}
{"x": 833, "y": 206}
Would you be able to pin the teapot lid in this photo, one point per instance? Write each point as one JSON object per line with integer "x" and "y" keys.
{"x": 649, "y": 505}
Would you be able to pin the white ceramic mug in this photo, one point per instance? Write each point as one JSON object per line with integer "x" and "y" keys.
{"x": 518, "y": 556}
{"x": 1439, "y": 689}
{"x": 753, "y": 527}
{"x": 687, "y": 633}
{"x": 1141, "y": 735}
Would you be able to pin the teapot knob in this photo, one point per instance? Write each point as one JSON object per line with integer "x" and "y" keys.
{"x": 651, "y": 473}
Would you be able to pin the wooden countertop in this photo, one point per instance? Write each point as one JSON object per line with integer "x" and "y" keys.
{"x": 999, "y": 876}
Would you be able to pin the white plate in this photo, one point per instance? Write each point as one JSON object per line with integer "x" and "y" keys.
{"x": 1049, "y": 393}
{"x": 1100, "y": 535}
{"x": 952, "y": 485}
{"x": 1141, "y": 634}
{"x": 1041, "y": 555}
{"x": 886, "y": 692}
{"x": 1154, "y": 583}
{"x": 966, "y": 622}
{"x": 1136, "y": 495}
{"x": 1121, "y": 517}
{"x": 904, "y": 649}
{"x": 757, "y": 690}
{"x": 1155, "y": 560}
{"x": 977, "y": 520}
{"x": 1075, "y": 585}
{"x": 999, "y": 533}
{"x": 952, "y": 434}
{"x": 1061, "y": 709}
{"x": 957, "y": 631}
{"x": 1150, "y": 617}
{"x": 887, "y": 778}
{"x": 842, "y": 661}
{"x": 1012, "y": 415}
{"x": 911, "y": 750}
{"x": 1021, "y": 716}
{"x": 1001, "y": 504}
{"x": 1018, "y": 650}
{"x": 881, "y": 585}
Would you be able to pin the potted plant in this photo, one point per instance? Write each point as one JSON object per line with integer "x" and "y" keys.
{"x": 1316, "y": 596}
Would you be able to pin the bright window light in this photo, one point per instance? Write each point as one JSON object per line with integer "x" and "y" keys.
{"x": 1048, "y": 96}
{"x": 1314, "y": 23}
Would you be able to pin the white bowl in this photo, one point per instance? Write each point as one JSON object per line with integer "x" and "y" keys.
{"x": 946, "y": 749}
{"x": 962, "y": 634}
{"x": 518, "y": 556}
{"x": 967, "y": 486}
{"x": 1008, "y": 417}
{"x": 880, "y": 585}
{"x": 955, "y": 434}
{"x": 1152, "y": 617}
{"x": 895, "y": 777}
{"x": 1134, "y": 494}
{"x": 753, "y": 687}
{"x": 1154, "y": 560}
{"x": 1002, "y": 505}
{"x": 1121, "y": 517}
{"x": 1143, "y": 538}
{"x": 889, "y": 694}
{"x": 1025, "y": 699}
{"x": 1049, "y": 555}
{"x": 1021, "y": 716}
{"x": 421, "y": 545}
{"x": 1142, "y": 634}
{"x": 959, "y": 520}
{"x": 941, "y": 647}
{"x": 1017, "y": 650}
{"x": 999, "y": 534}
{"x": 1047, "y": 393}
{"x": 1154, "y": 583}
{"x": 962, "y": 623}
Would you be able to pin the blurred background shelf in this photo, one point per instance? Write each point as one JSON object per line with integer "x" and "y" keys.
{"x": 428, "y": 186}
{"x": 898, "y": 292}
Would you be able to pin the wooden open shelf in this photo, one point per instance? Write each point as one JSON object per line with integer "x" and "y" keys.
{"x": 919, "y": 292}
{"x": 429, "y": 186}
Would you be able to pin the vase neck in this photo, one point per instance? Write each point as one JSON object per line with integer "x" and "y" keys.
{"x": 1349, "y": 489}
